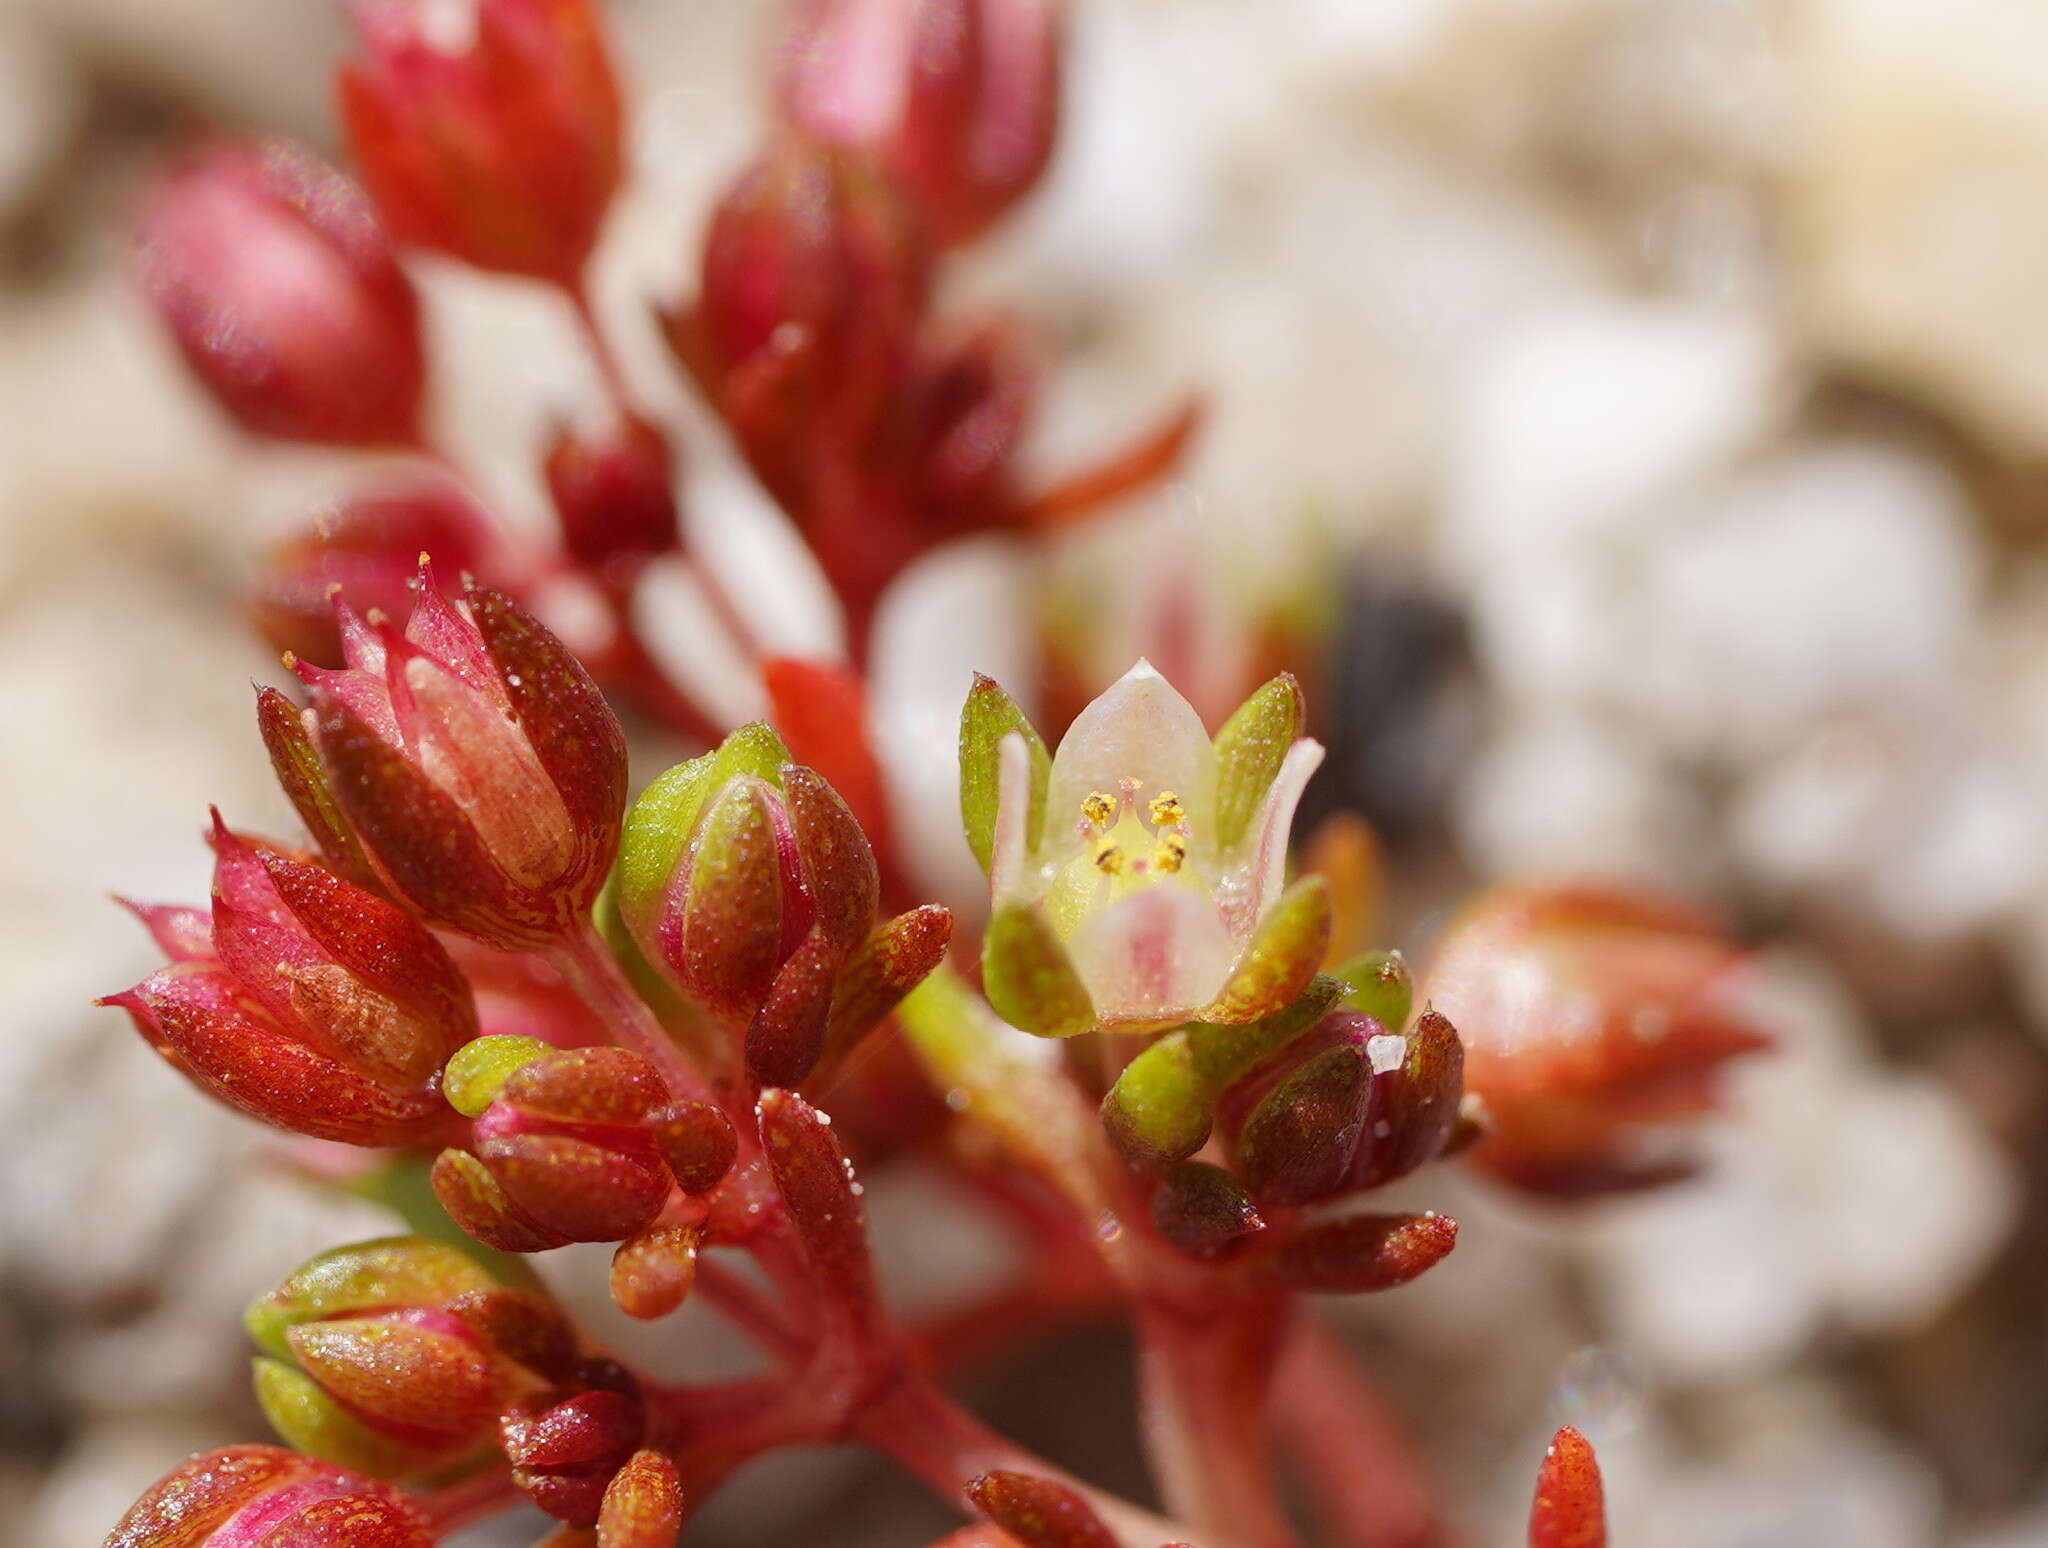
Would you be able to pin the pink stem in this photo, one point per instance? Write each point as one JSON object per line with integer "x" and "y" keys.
{"x": 594, "y": 974}
{"x": 1205, "y": 1382}
{"x": 946, "y": 1447}
{"x": 610, "y": 373}
{"x": 749, "y": 1310}
{"x": 1370, "y": 1488}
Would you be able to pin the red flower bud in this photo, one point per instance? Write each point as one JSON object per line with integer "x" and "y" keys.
{"x": 960, "y": 98}
{"x": 1589, "y": 1017}
{"x": 311, "y": 1004}
{"x": 369, "y": 549}
{"x": 814, "y": 277}
{"x": 278, "y": 284}
{"x": 504, "y": 154}
{"x": 565, "y": 1454}
{"x": 566, "y": 1152}
{"x": 614, "y": 492}
{"x": 1570, "y": 1509}
{"x": 477, "y": 763}
{"x": 267, "y": 1497}
{"x": 368, "y": 983}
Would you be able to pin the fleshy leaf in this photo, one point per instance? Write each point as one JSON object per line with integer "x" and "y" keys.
{"x": 300, "y": 774}
{"x": 652, "y": 1273}
{"x": 1298, "y": 1142}
{"x": 1039, "y": 1512}
{"x": 480, "y": 1069}
{"x": 986, "y": 718}
{"x": 474, "y": 1201}
{"x": 817, "y": 1185}
{"x": 1570, "y": 1508}
{"x": 660, "y": 824}
{"x": 1360, "y": 1252}
{"x": 391, "y": 1271}
{"x": 643, "y": 1504}
{"x": 308, "y": 1419}
{"x": 892, "y": 961}
{"x": 1204, "y": 1211}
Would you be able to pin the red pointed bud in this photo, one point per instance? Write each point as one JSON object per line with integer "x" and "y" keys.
{"x": 959, "y": 98}
{"x": 1570, "y": 1509}
{"x": 1204, "y": 1211}
{"x": 824, "y": 1201}
{"x": 613, "y": 492}
{"x": 478, "y": 764}
{"x": 208, "y": 1025}
{"x": 1039, "y": 1512}
{"x": 368, "y": 984}
{"x": 503, "y": 153}
{"x": 565, "y": 1453}
{"x": 274, "y": 277}
{"x": 1297, "y": 1144}
{"x": 367, "y": 548}
{"x": 1589, "y": 1017}
{"x": 697, "y": 1141}
{"x": 643, "y": 1504}
{"x": 243, "y": 1496}
{"x": 1360, "y": 1252}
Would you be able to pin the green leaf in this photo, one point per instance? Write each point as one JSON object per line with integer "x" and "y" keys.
{"x": 986, "y": 718}
{"x": 1249, "y": 751}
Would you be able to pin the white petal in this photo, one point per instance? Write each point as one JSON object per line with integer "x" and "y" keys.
{"x": 1009, "y": 856}
{"x": 1139, "y": 728}
{"x": 1267, "y": 858}
{"x": 1160, "y": 954}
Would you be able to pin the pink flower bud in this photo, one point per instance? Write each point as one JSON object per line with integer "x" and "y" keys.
{"x": 504, "y": 152}
{"x": 1591, "y": 1018}
{"x": 959, "y": 98}
{"x": 368, "y": 549}
{"x": 278, "y": 284}
{"x": 614, "y": 492}
{"x": 477, "y": 763}
{"x": 250, "y": 1496}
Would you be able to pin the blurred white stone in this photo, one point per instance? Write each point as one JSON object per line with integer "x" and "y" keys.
{"x": 1918, "y": 234}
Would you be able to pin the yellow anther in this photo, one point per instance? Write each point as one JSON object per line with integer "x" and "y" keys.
{"x": 1172, "y": 850}
{"x": 1111, "y": 858}
{"x": 1166, "y": 810}
{"x": 1098, "y": 810}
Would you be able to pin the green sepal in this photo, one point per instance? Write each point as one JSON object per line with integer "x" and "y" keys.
{"x": 307, "y": 1419}
{"x": 1283, "y": 956}
{"x": 390, "y": 1271}
{"x": 986, "y": 718}
{"x": 1381, "y": 987}
{"x": 659, "y": 825}
{"x": 481, "y": 1067}
{"x": 1158, "y": 1112}
{"x": 1249, "y": 751}
{"x": 1029, "y": 978}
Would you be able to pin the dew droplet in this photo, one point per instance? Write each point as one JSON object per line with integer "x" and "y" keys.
{"x": 1108, "y": 1228}
{"x": 1600, "y": 1391}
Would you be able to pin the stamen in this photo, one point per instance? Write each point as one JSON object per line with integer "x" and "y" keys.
{"x": 1098, "y": 809}
{"x": 1166, "y": 810}
{"x": 1111, "y": 858}
{"x": 1172, "y": 850}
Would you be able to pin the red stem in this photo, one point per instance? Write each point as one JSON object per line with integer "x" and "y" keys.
{"x": 465, "y": 1503}
{"x": 1370, "y": 1486}
{"x": 594, "y": 974}
{"x": 1205, "y": 1379}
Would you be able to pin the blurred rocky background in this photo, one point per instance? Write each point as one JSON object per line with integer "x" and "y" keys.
{"x": 1668, "y": 379}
